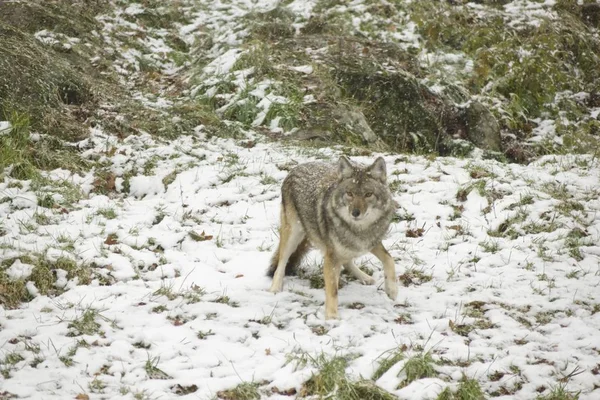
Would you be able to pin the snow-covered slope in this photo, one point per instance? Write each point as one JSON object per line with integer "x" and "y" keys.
{"x": 498, "y": 270}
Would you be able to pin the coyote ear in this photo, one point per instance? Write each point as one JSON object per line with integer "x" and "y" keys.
{"x": 345, "y": 169}
{"x": 378, "y": 170}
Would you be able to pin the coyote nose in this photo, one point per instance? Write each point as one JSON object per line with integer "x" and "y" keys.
{"x": 355, "y": 212}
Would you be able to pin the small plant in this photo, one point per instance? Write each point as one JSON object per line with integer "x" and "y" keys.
{"x": 67, "y": 359}
{"x": 226, "y": 300}
{"x": 159, "y": 309}
{"x": 559, "y": 393}
{"x": 166, "y": 290}
{"x": 13, "y": 358}
{"x": 160, "y": 215}
{"x": 331, "y": 381}
{"x": 151, "y": 368}
{"x": 194, "y": 294}
{"x": 388, "y": 362}
{"x": 86, "y": 324}
{"x": 315, "y": 278}
{"x": 97, "y": 385}
{"x": 417, "y": 367}
{"x": 490, "y": 246}
{"x": 267, "y": 180}
{"x": 202, "y": 335}
{"x": 243, "y": 391}
{"x": 108, "y": 213}
{"x": 468, "y": 389}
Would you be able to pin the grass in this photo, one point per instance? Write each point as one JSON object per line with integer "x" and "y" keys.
{"x": 243, "y": 391}
{"x": 226, "y": 300}
{"x": 202, "y": 335}
{"x": 9, "y": 362}
{"x": 346, "y": 86}
{"x": 97, "y": 385}
{"x": 490, "y": 246}
{"x": 191, "y": 295}
{"x": 152, "y": 370}
{"x": 15, "y": 151}
{"x": 522, "y": 88}
{"x": 559, "y": 393}
{"x": 86, "y": 324}
{"x": 13, "y": 292}
{"x": 331, "y": 381}
{"x": 58, "y": 92}
{"x": 417, "y": 367}
{"x": 388, "y": 362}
{"x": 468, "y": 389}
{"x": 315, "y": 278}
{"x": 108, "y": 213}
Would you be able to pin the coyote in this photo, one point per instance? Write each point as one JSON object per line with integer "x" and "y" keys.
{"x": 342, "y": 209}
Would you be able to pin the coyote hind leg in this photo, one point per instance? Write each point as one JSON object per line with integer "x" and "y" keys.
{"x": 358, "y": 274}
{"x": 291, "y": 235}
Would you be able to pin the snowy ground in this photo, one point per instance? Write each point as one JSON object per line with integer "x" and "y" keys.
{"x": 498, "y": 265}
{"x": 518, "y": 313}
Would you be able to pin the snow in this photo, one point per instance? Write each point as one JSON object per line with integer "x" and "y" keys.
{"x": 241, "y": 215}
{"x": 305, "y": 69}
{"x": 223, "y": 64}
{"x": 134, "y": 9}
{"x": 141, "y": 186}
{"x": 19, "y": 270}
{"x": 5, "y": 128}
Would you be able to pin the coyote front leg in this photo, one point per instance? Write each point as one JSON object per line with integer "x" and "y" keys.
{"x": 389, "y": 270}
{"x": 331, "y": 272}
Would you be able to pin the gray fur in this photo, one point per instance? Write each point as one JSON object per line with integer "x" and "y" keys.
{"x": 318, "y": 192}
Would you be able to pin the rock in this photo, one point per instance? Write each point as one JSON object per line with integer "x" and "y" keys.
{"x": 590, "y": 14}
{"x": 355, "y": 121}
{"x": 482, "y": 128}
{"x": 372, "y": 94}
{"x": 402, "y": 112}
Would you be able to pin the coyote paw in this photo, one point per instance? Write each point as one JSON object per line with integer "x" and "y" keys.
{"x": 331, "y": 315}
{"x": 276, "y": 288}
{"x": 391, "y": 289}
{"x": 367, "y": 280}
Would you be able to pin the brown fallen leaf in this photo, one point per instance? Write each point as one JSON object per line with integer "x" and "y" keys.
{"x": 413, "y": 233}
{"x": 111, "y": 239}
{"x": 284, "y": 392}
{"x": 200, "y": 237}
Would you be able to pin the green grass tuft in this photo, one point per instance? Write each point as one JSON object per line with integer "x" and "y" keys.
{"x": 86, "y": 324}
{"x": 331, "y": 380}
{"x": 417, "y": 367}
{"x": 243, "y": 391}
{"x": 386, "y": 363}
{"x": 468, "y": 389}
{"x": 559, "y": 393}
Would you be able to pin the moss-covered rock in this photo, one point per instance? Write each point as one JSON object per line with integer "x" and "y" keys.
{"x": 482, "y": 128}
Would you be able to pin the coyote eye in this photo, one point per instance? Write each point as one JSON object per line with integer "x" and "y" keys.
{"x": 369, "y": 194}
{"x": 350, "y": 194}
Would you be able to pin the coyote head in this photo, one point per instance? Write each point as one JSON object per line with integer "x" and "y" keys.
{"x": 362, "y": 195}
